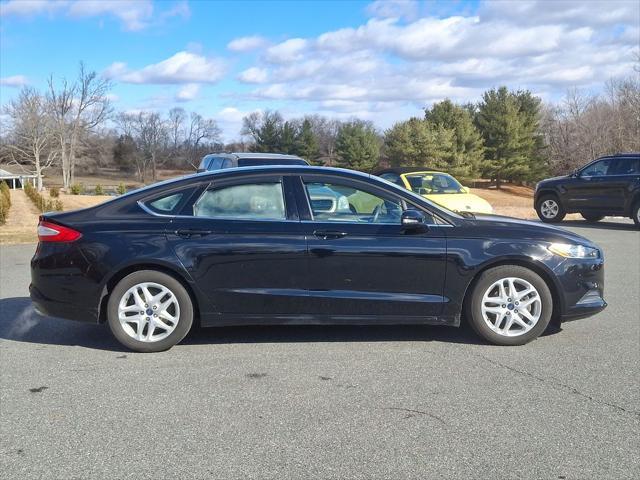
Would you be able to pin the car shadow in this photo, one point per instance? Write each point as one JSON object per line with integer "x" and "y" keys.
{"x": 601, "y": 225}
{"x": 20, "y": 322}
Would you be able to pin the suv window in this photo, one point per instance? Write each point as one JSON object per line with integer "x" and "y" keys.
{"x": 597, "y": 169}
{"x": 626, "y": 166}
{"x": 331, "y": 202}
{"x": 215, "y": 164}
{"x": 252, "y": 201}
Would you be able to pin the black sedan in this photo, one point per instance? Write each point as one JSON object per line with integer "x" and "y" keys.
{"x": 261, "y": 246}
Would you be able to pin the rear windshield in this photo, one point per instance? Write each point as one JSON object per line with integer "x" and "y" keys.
{"x": 256, "y": 162}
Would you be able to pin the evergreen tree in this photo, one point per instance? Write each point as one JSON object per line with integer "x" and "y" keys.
{"x": 467, "y": 155}
{"x": 358, "y": 146}
{"x": 288, "y": 141}
{"x": 508, "y": 123}
{"x": 419, "y": 143}
{"x": 307, "y": 143}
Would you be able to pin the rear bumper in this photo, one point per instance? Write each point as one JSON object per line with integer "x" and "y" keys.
{"x": 52, "y": 308}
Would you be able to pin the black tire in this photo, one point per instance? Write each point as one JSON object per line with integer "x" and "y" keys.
{"x": 473, "y": 304}
{"x": 592, "y": 217}
{"x": 545, "y": 217}
{"x": 185, "y": 319}
{"x": 635, "y": 213}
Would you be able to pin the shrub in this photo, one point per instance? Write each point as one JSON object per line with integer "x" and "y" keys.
{"x": 4, "y": 209}
{"x": 99, "y": 190}
{"x": 54, "y": 192}
{"x": 121, "y": 189}
{"x": 5, "y": 191}
{"x": 41, "y": 203}
{"x": 77, "y": 189}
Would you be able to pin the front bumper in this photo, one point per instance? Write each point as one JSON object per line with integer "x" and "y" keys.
{"x": 582, "y": 286}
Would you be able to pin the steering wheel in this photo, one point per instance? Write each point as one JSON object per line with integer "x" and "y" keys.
{"x": 376, "y": 214}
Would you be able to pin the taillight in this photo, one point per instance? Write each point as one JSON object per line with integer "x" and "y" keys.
{"x": 52, "y": 232}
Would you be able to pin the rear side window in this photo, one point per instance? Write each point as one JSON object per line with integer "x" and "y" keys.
{"x": 255, "y": 201}
{"x": 627, "y": 166}
{"x": 166, "y": 205}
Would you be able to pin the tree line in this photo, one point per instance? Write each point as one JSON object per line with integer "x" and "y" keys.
{"x": 505, "y": 136}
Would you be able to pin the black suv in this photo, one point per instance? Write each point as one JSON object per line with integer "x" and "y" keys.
{"x": 607, "y": 186}
{"x": 218, "y": 161}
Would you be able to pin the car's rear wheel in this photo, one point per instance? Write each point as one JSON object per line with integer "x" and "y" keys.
{"x": 149, "y": 311}
{"x": 590, "y": 217}
{"x": 549, "y": 209}
{"x": 509, "y": 305}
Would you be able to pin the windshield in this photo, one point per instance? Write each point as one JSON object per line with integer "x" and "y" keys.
{"x": 426, "y": 183}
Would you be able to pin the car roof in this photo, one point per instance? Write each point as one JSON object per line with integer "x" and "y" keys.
{"x": 401, "y": 170}
{"x": 255, "y": 155}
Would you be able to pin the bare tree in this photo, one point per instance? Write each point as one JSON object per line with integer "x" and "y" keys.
{"x": 200, "y": 129}
{"x": 31, "y": 138}
{"x": 177, "y": 118}
{"x": 153, "y": 134}
{"x": 76, "y": 109}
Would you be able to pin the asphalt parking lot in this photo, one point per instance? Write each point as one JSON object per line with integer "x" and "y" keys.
{"x": 325, "y": 402}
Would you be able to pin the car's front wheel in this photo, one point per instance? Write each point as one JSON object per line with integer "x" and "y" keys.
{"x": 149, "y": 311}
{"x": 549, "y": 209}
{"x": 509, "y": 305}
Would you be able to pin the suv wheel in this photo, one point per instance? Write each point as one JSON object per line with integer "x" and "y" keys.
{"x": 591, "y": 217}
{"x": 635, "y": 213}
{"x": 149, "y": 311}
{"x": 549, "y": 209}
{"x": 509, "y": 305}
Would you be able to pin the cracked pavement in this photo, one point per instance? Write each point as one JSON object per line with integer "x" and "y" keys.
{"x": 401, "y": 402}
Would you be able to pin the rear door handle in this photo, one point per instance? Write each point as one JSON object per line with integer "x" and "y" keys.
{"x": 192, "y": 232}
{"x": 329, "y": 234}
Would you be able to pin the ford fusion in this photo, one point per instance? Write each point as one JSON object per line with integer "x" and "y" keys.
{"x": 305, "y": 245}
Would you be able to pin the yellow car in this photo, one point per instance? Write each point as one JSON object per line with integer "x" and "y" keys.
{"x": 439, "y": 187}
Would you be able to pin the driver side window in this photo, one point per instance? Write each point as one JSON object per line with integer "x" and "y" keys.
{"x": 597, "y": 169}
{"x": 331, "y": 202}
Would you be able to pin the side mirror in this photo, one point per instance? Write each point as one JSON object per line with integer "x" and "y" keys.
{"x": 413, "y": 220}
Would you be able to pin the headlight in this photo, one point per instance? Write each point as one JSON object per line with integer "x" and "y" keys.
{"x": 573, "y": 251}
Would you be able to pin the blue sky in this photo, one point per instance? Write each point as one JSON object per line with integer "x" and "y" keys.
{"x": 381, "y": 60}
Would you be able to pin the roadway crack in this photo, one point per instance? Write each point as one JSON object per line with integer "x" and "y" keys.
{"x": 560, "y": 385}
{"x": 420, "y": 412}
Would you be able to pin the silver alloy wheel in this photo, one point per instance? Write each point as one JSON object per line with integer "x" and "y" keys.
{"x": 511, "y": 306}
{"x": 148, "y": 312}
{"x": 549, "y": 209}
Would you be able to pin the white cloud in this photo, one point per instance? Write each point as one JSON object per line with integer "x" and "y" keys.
{"x": 400, "y": 61}
{"x": 14, "y": 81}
{"x": 253, "y": 75}
{"x": 287, "y": 51}
{"x": 183, "y": 67}
{"x": 133, "y": 14}
{"x": 188, "y": 92}
{"x": 245, "y": 44}
{"x": 393, "y": 9}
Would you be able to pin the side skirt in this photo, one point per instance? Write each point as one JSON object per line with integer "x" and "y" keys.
{"x": 222, "y": 320}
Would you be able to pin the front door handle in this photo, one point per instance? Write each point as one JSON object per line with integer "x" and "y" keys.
{"x": 329, "y": 234}
{"x": 192, "y": 232}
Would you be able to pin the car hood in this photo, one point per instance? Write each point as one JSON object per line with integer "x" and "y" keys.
{"x": 552, "y": 180}
{"x": 526, "y": 229}
{"x": 461, "y": 202}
